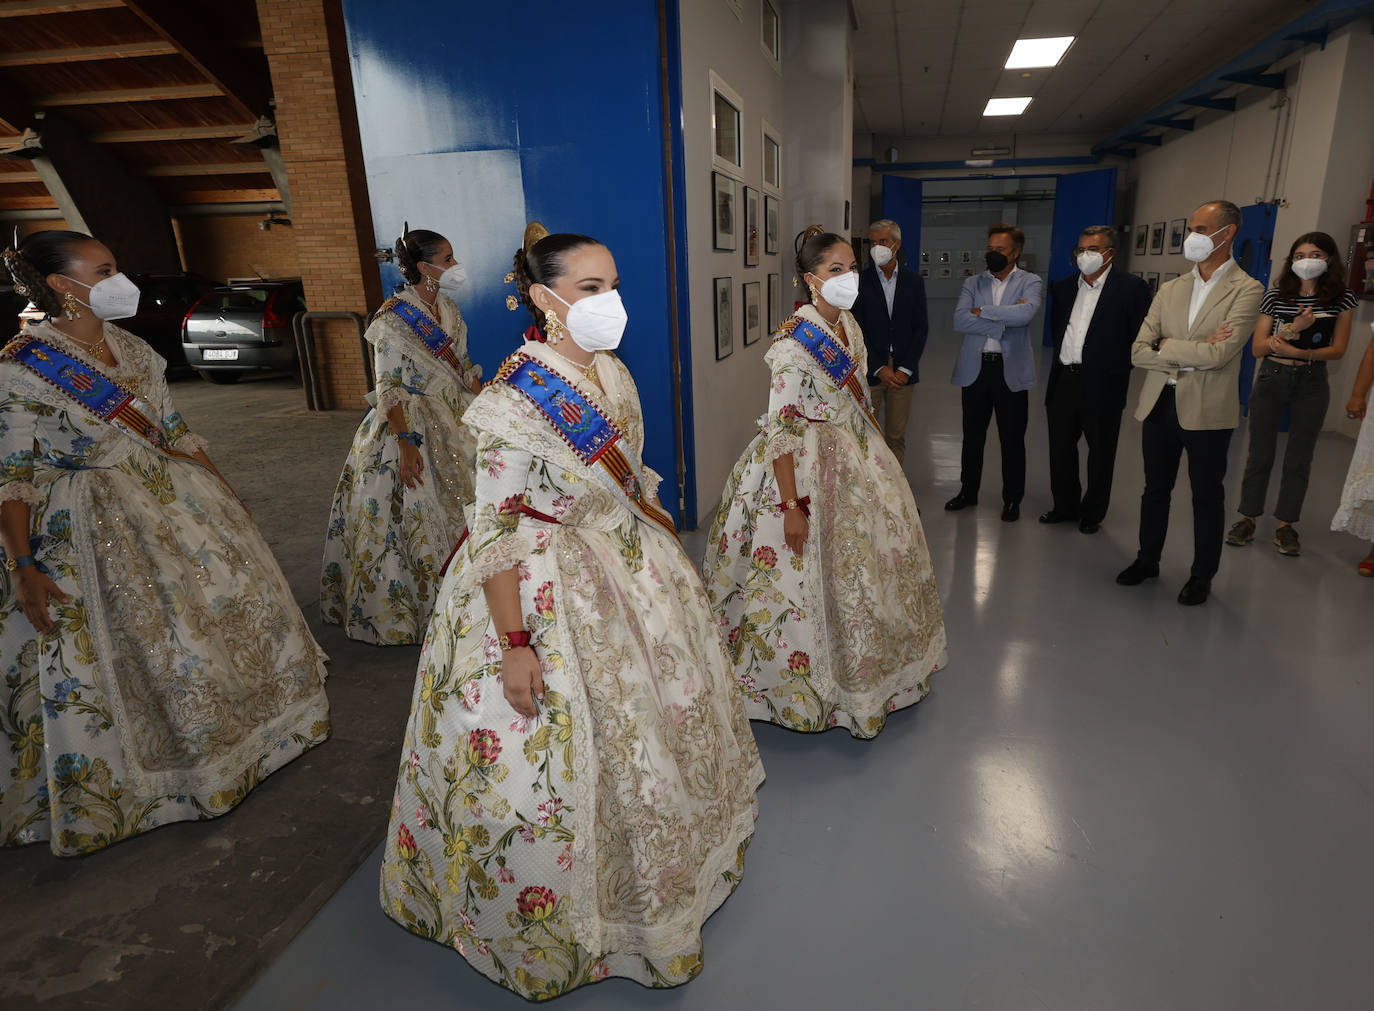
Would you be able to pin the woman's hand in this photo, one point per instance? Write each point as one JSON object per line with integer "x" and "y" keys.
{"x": 1279, "y": 346}
{"x": 794, "y": 529}
{"x": 1355, "y": 406}
{"x": 1303, "y": 320}
{"x": 33, "y": 588}
{"x": 522, "y": 680}
{"x": 411, "y": 465}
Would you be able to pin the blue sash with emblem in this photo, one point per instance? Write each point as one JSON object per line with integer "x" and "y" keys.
{"x": 829, "y": 355}
{"x": 431, "y": 334}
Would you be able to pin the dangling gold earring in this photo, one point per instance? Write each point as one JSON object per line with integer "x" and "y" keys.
{"x": 70, "y": 306}
{"x": 431, "y": 285}
{"x": 553, "y": 327}
{"x": 815, "y": 295}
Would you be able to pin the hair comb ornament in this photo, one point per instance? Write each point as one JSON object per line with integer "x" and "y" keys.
{"x": 534, "y": 231}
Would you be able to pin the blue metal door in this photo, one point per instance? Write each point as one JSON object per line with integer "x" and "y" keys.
{"x": 1081, "y": 199}
{"x": 1252, "y": 250}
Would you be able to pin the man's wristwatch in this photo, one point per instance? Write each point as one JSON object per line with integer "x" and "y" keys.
{"x": 22, "y": 562}
{"x": 513, "y": 640}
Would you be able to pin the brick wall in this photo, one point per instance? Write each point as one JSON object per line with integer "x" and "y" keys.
{"x": 224, "y": 246}
{"x": 317, "y": 122}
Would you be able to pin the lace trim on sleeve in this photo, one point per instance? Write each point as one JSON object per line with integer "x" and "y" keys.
{"x": 481, "y": 563}
{"x": 394, "y": 396}
{"x": 21, "y": 491}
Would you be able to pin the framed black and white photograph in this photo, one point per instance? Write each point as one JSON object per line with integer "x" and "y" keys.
{"x": 965, "y": 271}
{"x": 946, "y": 271}
{"x": 925, "y": 256}
{"x": 1142, "y": 239}
{"x": 772, "y": 159}
{"x": 772, "y": 224}
{"x": 966, "y": 256}
{"x": 1170, "y": 277}
{"x": 1157, "y": 238}
{"x": 725, "y": 212}
{"x": 753, "y": 312}
{"x": 943, "y": 256}
{"x": 1152, "y": 279}
{"x": 725, "y": 319}
{"x": 727, "y": 150}
{"x": 924, "y": 271}
{"x": 752, "y": 238}
{"x": 774, "y": 302}
{"x": 1177, "y": 228}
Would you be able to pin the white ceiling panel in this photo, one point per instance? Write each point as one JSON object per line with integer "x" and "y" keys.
{"x": 926, "y": 67}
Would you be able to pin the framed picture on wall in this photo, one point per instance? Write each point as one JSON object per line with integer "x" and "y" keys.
{"x": 965, "y": 271}
{"x": 1170, "y": 277}
{"x": 725, "y": 323}
{"x": 966, "y": 256}
{"x": 772, "y": 224}
{"x": 1176, "y": 229}
{"x": 946, "y": 271}
{"x": 1157, "y": 238}
{"x": 1142, "y": 239}
{"x": 727, "y": 150}
{"x": 943, "y": 256}
{"x": 752, "y": 238}
{"x": 925, "y": 256}
{"x": 753, "y": 312}
{"x": 725, "y": 216}
{"x": 1152, "y": 279}
{"x": 774, "y": 302}
{"x": 924, "y": 271}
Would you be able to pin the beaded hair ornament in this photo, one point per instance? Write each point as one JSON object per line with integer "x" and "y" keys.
{"x": 10, "y": 256}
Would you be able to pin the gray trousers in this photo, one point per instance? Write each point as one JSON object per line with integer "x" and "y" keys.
{"x": 1304, "y": 389}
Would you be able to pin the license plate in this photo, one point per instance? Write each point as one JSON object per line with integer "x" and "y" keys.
{"x": 221, "y": 354}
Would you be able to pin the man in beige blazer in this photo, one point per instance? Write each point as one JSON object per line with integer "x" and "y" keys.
{"x": 1190, "y": 346}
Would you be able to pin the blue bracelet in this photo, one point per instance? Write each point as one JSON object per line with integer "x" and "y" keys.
{"x": 414, "y": 438}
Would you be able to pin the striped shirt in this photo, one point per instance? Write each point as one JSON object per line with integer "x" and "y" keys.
{"x": 1319, "y": 334}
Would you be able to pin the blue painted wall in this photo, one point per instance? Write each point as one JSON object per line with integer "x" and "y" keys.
{"x": 477, "y": 118}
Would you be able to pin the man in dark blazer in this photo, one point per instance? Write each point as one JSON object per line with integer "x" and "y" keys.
{"x": 891, "y": 310}
{"x": 1094, "y": 315}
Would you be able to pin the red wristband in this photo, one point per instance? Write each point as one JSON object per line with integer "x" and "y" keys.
{"x": 514, "y": 640}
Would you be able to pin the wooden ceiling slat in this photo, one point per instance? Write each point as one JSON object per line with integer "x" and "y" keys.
{"x": 205, "y": 169}
{"x": 190, "y": 112}
{"x": 87, "y": 54}
{"x": 14, "y": 178}
{"x": 241, "y": 77}
{"x": 125, "y": 75}
{"x": 116, "y": 95}
{"x": 243, "y": 196}
{"x": 37, "y": 8}
{"x": 148, "y": 135}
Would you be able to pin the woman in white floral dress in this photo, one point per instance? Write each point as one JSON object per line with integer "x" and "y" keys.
{"x": 576, "y": 789}
{"x": 156, "y": 668}
{"x": 398, "y": 508}
{"x": 1356, "y": 512}
{"x": 817, "y": 564}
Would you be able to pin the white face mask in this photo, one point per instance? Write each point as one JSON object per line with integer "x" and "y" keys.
{"x": 882, "y": 256}
{"x": 597, "y": 322}
{"x": 1090, "y": 261}
{"x": 842, "y": 290}
{"x": 115, "y": 297}
{"x": 1309, "y": 269}
{"x": 452, "y": 278}
{"x": 1197, "y": 247}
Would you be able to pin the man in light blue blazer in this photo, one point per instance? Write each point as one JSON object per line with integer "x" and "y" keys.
{"x": 995, "y": 367}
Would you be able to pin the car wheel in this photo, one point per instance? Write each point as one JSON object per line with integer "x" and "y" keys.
{"x": 221, "y": 378}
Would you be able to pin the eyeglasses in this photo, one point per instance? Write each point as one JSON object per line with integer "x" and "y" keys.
{"x": 1090, "y": 249}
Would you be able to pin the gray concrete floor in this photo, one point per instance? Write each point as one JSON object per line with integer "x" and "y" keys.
{"x": 1109, "y": 801}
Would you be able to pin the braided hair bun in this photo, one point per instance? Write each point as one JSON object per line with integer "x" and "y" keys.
{"x": 811, "y": 246}
{"x": 52, "y": 251}
{"x": 414, "y": 247}
{"x": 541, "y": 261}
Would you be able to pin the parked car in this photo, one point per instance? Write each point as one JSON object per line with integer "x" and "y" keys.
{"x": 162, "y": 306}
{"x": 240, "y": 328}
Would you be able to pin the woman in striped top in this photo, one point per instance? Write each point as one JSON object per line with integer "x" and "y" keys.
{"x": 1304, "y": 323}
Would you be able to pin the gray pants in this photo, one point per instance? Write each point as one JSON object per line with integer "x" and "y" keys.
{"x": 1305, "y": 390}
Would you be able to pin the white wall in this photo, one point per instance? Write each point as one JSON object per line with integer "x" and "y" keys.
{"x": 727, "y": 395}
{"x": 1320, "y": 172}
{"x": 808, "y": 99}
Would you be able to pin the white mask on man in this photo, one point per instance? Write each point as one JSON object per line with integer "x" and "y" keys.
{"x": 1197, "y": 247}
{"x": 1090, "y": 261}
{"x": 882, "y": 256}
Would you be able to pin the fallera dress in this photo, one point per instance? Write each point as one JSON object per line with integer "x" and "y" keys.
{"x": 182, "y": 672}
{"x": 1356, "y": 512}
{"x": 386, "y": 544}
{"x": 852, "y": 629}
{"x": 594, "y": 839}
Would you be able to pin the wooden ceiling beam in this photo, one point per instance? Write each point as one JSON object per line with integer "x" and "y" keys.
{"x": 87, "y": 54}
{"x": 230, "y": 168}
{"x": 222, "y": 197}
{"x": 153, "y": 93}
{"x": 35, "y": 8}
{"x": 19, "y": 177}
{"x": 44, "y": 202}
{"x": 242, "y": 77}
{"x": 151, "y": 134}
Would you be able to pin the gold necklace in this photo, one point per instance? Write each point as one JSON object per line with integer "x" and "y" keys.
{"x": 588, "y": 370}
{"x": 96, "y": 350}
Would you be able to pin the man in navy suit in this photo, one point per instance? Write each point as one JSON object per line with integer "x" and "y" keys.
{"x": 891, "y": 309}
{"x": 995, "y": 367}
{"x": 1095, "y": 315}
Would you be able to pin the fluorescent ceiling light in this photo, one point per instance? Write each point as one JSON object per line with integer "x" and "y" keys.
{"x": 1038, "y": 52}
{"x": 1006, "y": 106}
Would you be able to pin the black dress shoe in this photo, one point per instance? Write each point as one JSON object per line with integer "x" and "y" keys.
{"x": 1055, "y": 516}
{"x": 1089, "y": 526}
{"x": 1011, "y": 512}
{"x": 961, "y": 501}
{"x": 1137, "y": 572}
{"x": 1195, "y": 591}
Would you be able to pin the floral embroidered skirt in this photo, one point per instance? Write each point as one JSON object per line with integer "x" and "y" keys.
{"x": 595, "y": 839}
